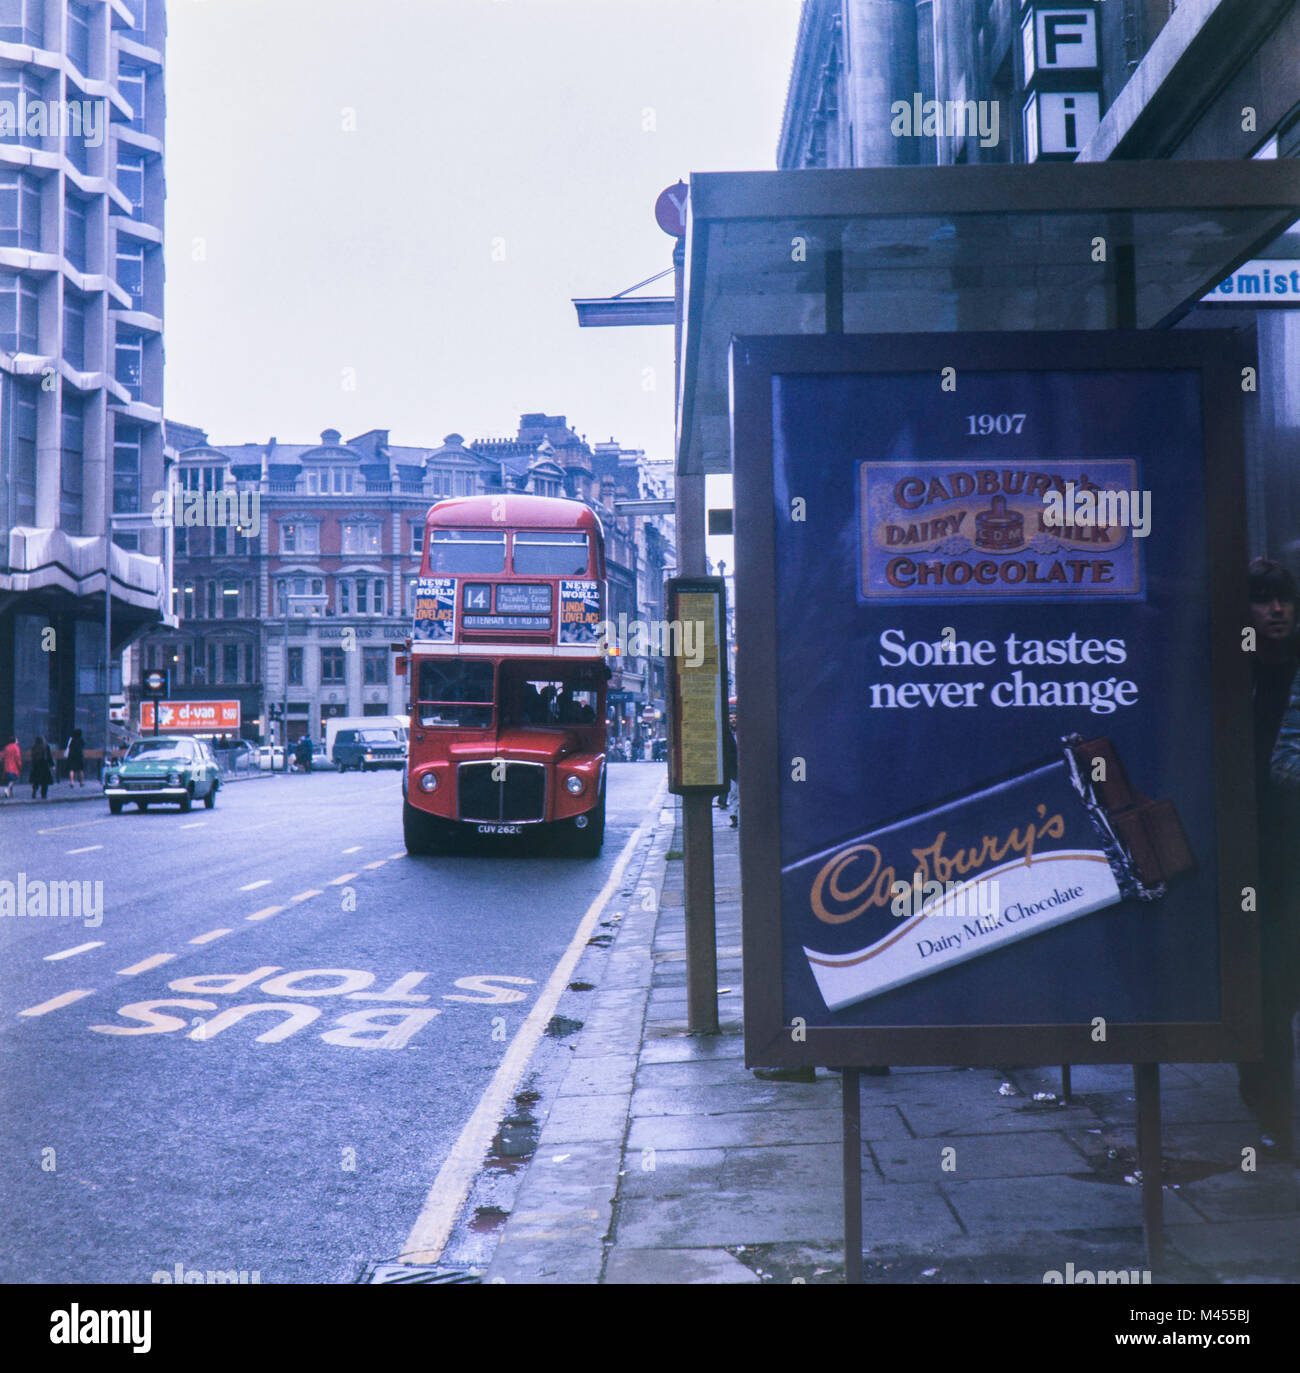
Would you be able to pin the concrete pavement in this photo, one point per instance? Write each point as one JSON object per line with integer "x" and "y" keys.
{"x": 663, "y": 1160}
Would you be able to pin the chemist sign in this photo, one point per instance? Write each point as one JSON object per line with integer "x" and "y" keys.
{"x": 993, "y": 699}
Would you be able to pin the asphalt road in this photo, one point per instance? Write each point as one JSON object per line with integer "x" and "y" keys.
{"x": 297, "y": 1141}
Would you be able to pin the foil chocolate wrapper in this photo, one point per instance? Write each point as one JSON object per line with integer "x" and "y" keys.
{"x": 1005, "y": 862}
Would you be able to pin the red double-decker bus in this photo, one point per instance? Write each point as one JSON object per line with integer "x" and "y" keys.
{"x": 507, "y": 676}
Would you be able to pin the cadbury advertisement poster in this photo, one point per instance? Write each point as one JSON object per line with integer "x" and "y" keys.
{"x": 997, "y": 792}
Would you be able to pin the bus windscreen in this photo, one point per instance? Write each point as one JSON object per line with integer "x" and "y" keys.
{"x": 456, "y": 693}
{"x": 474, "y": 551}
{"x": 547, "y": 553}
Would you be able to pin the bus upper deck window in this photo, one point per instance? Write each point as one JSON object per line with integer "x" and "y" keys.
{"x": 461, "y": 551}
{"x": 548, "y": 553}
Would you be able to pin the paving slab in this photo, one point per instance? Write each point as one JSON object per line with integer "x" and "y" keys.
{"x": 670, "y": 1172}
{"x": 744, "y": 1128}
{"x": 1003, "y": 1155}
{"x": 714, "y": 1219}
{"x": 988, "y": 1206}
{"x": 582, "y": 1120}
{"x": 689, "y": 1266}
{"x": 719, "y": 1098}
{"x": 611, "y": 1074}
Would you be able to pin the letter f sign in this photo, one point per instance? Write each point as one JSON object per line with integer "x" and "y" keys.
{"x": 1067, "y": 29}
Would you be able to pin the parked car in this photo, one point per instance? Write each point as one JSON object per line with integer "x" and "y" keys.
{"x": 176, "y": 771}
{"x": 364, "y": 749}
{"x": 236, "y": 755}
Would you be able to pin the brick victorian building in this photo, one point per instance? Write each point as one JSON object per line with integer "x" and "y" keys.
{"x": 301, "y": 616}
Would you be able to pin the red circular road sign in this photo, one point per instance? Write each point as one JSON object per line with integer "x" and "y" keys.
{"x": 670, "y": 210}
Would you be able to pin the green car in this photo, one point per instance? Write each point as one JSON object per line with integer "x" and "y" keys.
{"x": 163, "y": 769}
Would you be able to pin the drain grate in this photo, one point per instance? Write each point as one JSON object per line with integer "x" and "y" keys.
{"x": 387, "y": 1273}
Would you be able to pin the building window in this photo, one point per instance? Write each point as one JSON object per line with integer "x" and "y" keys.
{"x": 74, "y": 232}
{"x": 360, "y": 538}
{"x": 187, "y": 601}
{"x": 140, "y": 13}
{"x": 73, "y": 459}
{"x": 331, "y": 666}
{"x": 126, "y": 469}
{"x": 20, "y": 210}
{"x": 22, "y": 98}
{"x": 210, "y": 599}
{"x": 417, "y": 539}
{"x": 220, "y": 541}
{"x": 22, "y": 474}
{"x": 74, "y": 330}
{"x": 23, "y": 21}
{"x": 299, "y": 538}
{"x": 19, "y": 310}
{"x": 79, "y": 36}
{"x": 129, "y": 369}
{"x": 229, "y": 598}
{"x": 326, "y": 480}
{"x": 295, "y": 667}
{"x": 230, "y": 663}
{"x": 374, "y": 662}
{"x": 130, "y": 178}
{"x": 131, "y": 82}
{"x": 130, "y": 270}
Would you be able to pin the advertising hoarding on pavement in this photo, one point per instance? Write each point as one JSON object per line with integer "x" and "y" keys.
{"x": 994, "y": 703}
{"x": 192, "y": 716}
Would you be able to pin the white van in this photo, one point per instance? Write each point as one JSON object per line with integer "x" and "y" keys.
{"x": 398, "y": 723}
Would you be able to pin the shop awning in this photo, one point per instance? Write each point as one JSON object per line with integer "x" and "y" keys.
{"x": 936, "y": 249}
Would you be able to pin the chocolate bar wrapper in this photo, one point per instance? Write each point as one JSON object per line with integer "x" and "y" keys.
{"x": 973, "y": 875}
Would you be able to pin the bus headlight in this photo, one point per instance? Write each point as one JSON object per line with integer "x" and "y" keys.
{"x": 428, "y": 782}
{"x": 113, "y": 779}
{"x": 573, "y": 785}
{"x": 173, "y": 779}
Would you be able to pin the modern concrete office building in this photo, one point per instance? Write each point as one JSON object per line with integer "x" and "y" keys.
{"x": 81, "y": 350}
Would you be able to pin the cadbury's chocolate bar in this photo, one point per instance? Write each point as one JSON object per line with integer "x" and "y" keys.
{"x": 1057, "y": 842}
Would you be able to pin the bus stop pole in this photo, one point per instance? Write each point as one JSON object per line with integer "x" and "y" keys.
{"x": 697, "y": 809}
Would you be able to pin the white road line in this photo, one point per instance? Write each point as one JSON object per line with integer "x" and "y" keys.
{"x": 53, "y": 1005}
{"x": 80, "y": 825}
{"x": 356, "y": 848}
{"x": 401, "y": 853}
{"x": 253, "y": 886}
{"x": 306, "y": 895}
{"x": 145, "y": 964}
{"x": 67, "y": 953}
{"x": 209, "y": 937}
{"x": 378, "y": 863}
{"x": 339, "y": 881}
{"x": 433, "y": 1225}
{"x": 90, "y": 848}
{"x": 194, "y": 825}
{"x": 265, "y": 913}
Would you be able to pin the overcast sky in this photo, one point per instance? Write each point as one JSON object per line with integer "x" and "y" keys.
{"x": 341, "y": 178}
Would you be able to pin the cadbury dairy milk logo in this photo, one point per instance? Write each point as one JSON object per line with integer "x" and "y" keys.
{"x": 857, "y": 878}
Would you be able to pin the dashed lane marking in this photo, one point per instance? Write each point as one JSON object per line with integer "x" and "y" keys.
{"x": 80, "y": 825}
{"x": 356, "y": 848}
{"x": 90, "y": 848}
{"x": 401, "y": 853}
{"x": 68, "y": 953}
{"x": 253, "y": 886}
{"x": 266, "y": 912}
{"x": 145, "y": 964}
{"x": 433, "y": 1225}
{"x": 55, "y": 1003}
{"x": 209, "y": 937}
{"x": 306, "y": 895}
{"x": 339, "y": 881}
{"x": 194, "y": 825}
{"x": 378, "y": 863}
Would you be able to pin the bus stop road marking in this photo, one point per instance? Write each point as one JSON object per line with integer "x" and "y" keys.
{"x": 265, "y": 913}
{"x": 339, "y": 881}
{"x": 55, "y": 1003}
{"x": 253, "y": 886}
{"x": 209, "y": 937}
{"x": 433, "y": 1225}
{"x": 90, "y": 848}
{"x": 68, "y": 953}
{"x": 145, "y": 964}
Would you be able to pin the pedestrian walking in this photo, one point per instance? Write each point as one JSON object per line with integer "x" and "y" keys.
{"x": 74, "y": 754}
{"x": 730, "y": 776}
{"x": 41, "y": 773}
{"x": 11, "y": 765}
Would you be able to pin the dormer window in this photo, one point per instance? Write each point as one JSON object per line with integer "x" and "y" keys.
{"x": 325, "y": 481}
